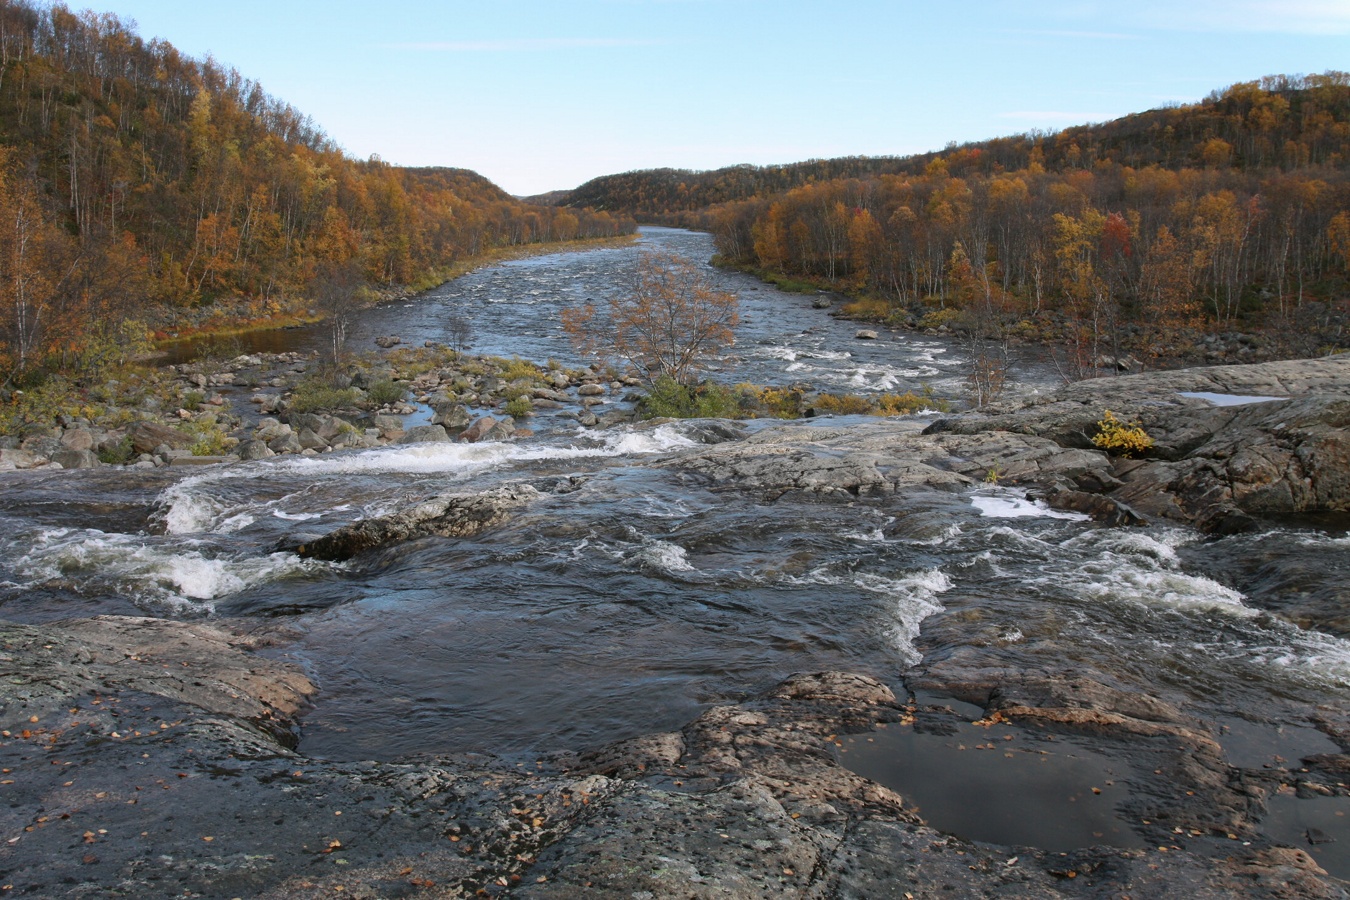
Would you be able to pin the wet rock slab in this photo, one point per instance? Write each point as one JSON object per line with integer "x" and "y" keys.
{"x": 152, "y": 758}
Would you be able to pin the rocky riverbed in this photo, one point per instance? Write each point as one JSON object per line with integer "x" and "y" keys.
{"x": 154, "y": 757}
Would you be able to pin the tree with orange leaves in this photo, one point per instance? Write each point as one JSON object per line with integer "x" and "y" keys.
{"x": 669, "y": 323}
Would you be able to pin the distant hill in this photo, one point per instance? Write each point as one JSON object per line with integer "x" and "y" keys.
{"x": 1282, "y": 123}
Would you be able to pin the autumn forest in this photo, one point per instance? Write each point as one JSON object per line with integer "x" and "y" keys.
{"x": 140, "y": 188}
{"x": 1231, "y": 214}
{"x": 143, "y": 192}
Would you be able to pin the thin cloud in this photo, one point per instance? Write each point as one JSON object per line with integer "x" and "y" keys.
{"x": 521, "y": 45}
{"x": 1308, "y": 17}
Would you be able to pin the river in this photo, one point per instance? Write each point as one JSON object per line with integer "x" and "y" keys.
{"x": 640, "y": 599}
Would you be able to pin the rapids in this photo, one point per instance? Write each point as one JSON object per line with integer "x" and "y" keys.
{"x": 636, "y": 601}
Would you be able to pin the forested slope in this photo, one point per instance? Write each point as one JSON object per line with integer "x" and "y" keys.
{"x": 134, "y": 179}
{"x": 1234, "y": 210}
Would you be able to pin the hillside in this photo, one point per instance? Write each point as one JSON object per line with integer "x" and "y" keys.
{"x": 1282, "y": 122}
{"x": 138, "y": 183}
{"x": 1135, "y": 235}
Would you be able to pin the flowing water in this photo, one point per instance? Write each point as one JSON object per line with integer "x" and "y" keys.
{"x": 642, "y": 597}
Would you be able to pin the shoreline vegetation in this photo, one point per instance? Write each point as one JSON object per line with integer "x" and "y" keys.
{"x": 229, "y": 326}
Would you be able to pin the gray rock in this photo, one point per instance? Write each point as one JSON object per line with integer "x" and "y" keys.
{"x": 79, "y": 439}
{"x": 287, "y": 443}
{"x": 389, "y": 426}
{"x": 451, "y": 515}
{"x": 478, "y": 429}
{"x": 146, "y": 436}
{"x": 310, "y": 440}
{"x": 251, "y": 450}
{"x": 503, "y": 430}
{"x": 425, "y": 434}
{"x": 866, "y": 334}
{"x": 76, "y": 459}
{"x": 1215, "y": 467}
{"x": 19, "y": 459}
{"x": 590, "y": 390}
{"x": 882, "y": 457}
{"x": 746, "y": 801}
{"x": 452, "y": 415}
{"x": 190, "y": 460}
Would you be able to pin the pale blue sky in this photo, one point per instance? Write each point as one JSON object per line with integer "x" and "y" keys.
{"x": 541, "y": 95}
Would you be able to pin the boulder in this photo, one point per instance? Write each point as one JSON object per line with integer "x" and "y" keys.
{"x": 146, "y": 436}
{"x": 309, "y": 440}
{"x": 20, "y": 459}
{"x": 76, "y": 459}
{"x": 503, "y": 430}
{"x": 286, "y": 443}
{"x": 79, "y": 439}
{"x": 387, "y": 341}
{"x": 590, "y": 389}
{"x": 478, "y": 429}
{"x": 454, "y": 416}
{"x": 425, "y": 434}
{"x": 866, "y": 334}
{"x": 256, "y": 449}
{"x": 1230, "y": 443}
{"x": 450, "y": 515}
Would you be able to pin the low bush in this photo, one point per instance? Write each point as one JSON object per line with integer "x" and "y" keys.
{"x": 842, "y": 405}
{"x": 1119, "y": 438}
{"x": 667, "y": 398}
{"x": 908, "y": 403}
{"x": 384, "y": 392}
{"x": 316, "y": 394}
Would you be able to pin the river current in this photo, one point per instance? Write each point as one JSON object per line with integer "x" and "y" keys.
{"x": 636, "y": 601}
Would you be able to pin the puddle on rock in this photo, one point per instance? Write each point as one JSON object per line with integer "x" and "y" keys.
{"x": 1249, "y": 745}
{"x": 997, "y": 786}
{"x": 1319, "y": 825}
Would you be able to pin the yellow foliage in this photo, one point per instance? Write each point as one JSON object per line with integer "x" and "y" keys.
{"x": 843, "y": 404}
{"x": 1126, "y": 439}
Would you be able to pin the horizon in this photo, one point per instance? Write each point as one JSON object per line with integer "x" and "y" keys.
{"x": 511, "y": 91}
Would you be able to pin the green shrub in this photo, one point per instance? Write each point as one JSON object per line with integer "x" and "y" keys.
{"x": 118, "y": 454}
{"x": 519, "y": 408}
{"x": 192, "y": 400}
{"x": 316, "y": 394}
{"x": 1119, "y": 438}
{"x": 209, "y": 438}
{"x": 384, "y": 392}
{"x": 667, "y": 398}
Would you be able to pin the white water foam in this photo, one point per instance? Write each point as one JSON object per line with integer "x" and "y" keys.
{"x": 188, "y": 507}
{"x": 1134, "y": 566}
{"x": 180, "y": 577}
{"x": 1007, "y": 503}
{"x": 915, "y": 594}
{"x": 664, "y": 557}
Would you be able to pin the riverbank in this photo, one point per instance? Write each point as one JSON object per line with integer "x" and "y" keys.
{"x": 222, "y": 322}
{"x": 1130, "y": 349}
